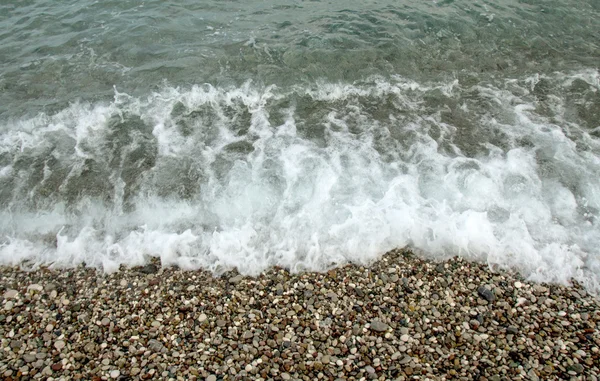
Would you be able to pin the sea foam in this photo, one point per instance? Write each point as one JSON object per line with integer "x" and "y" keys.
{"x": 311, "y": 177}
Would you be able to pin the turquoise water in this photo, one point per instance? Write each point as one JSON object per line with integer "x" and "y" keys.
{"x": 301, "y": 134}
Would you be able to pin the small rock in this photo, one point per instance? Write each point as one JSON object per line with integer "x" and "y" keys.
{"x": 156, "y": 346}
{"x": 532, "y": 375}
{"x": 90, "y": 348}
{"x": 370, "y": 369}
{"x": 11, "y": 294}
{"x": 212, "y": 377}
{"x": 379, "y": 326}
{"x": 202, "y": 318}
{"x": 9, "y": 305}
{"x": 577, "y": 368}
{"x": 114, "y": 373}
{"x": 518, "y": 284}
{"x": 28, "y": 358}
{"x": 221, "y": 323}
{"x": 35, "y": 288}
{"x": 150, "y": 268}
{"x": 105, "y": 321}
{"x": 405, "y": 360}
{"x": 512, "y": 330}
{"x": 236, "y": 279}
{"x": 486, "y": 294}
{"x": 59, "y": 345}
{"x": 56, "y": 366}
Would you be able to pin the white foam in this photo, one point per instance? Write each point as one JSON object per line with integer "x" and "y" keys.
{"x": 326, "y": 186}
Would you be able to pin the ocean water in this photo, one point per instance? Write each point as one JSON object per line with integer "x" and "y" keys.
{"x": 304, "y": 134}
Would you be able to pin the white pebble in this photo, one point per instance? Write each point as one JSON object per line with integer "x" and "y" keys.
{"x": 11, "y": 294}
{"x": 35, "y": 287}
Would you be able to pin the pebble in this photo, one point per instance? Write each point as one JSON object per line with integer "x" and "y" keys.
{"x": 10, "y": 294}
{"x": 405, "y": 360}
{"x": 156, "y": 346}
{"x": 236, "y": 279}
{"x": 438, "y": 325}
{"x": 486, "y": 294}
{"x": 150, "y": 268}
{"x": 377, "y": 325}
{"x": 577, "y": 368}
{"x": 35, "y": 287}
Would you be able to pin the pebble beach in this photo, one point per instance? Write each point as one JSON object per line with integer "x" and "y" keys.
{"x": 401, "y": 318}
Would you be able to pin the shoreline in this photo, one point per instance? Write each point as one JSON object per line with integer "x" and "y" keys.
{"x": 402, "y": 318}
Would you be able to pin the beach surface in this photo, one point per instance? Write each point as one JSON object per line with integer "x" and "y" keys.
{"x": 401, "y": 318}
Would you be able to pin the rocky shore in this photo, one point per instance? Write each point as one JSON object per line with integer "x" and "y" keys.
{"x": 401, "y": 318}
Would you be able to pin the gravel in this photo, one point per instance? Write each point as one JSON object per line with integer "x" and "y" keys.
{"x": 401, "y": 318}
